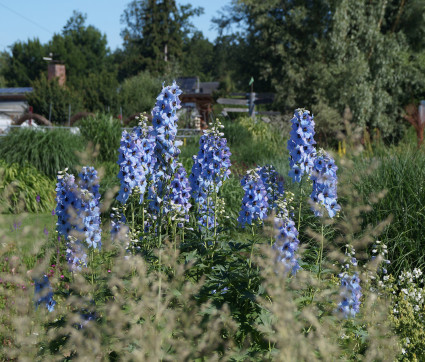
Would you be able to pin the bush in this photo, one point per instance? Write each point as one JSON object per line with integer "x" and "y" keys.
{"x": 138, "y": 93}
{"x": 19, "y": 187}
{"x": 47, "y": 150}
{"x": 104, "y": 131}
{"x": 50, "y": 92}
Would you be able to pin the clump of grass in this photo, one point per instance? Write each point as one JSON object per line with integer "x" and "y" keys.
{"x": 47, "y": 150}
{"x": 401, "y": 173}
{"x": 104, "y": 131}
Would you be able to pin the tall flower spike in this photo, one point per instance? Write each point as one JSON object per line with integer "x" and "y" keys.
{"x": 286, "y": 244}
{"x": 325, "y": 180}
{"x": 350, "y": 293}
{"x": 78, "y": 216}
{"x": 350, "y": 290}
{"x": 90, "y": 181}
{"x": 166, "y": 151}
{"x": 274, "y": 186}
{"x": 301, "y": 145}
{"x": 132, "y": 173}
{"x": 210, "y": 169}
{"x": 254, "y": 202}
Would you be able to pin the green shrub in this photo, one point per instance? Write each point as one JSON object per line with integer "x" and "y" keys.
{"x": 138, "y": 93}
{"x": 104, "y": 131}
{"x": 19, "y": 187}
{"x": 50, "y": 92}
{"x": 48, "y": 151}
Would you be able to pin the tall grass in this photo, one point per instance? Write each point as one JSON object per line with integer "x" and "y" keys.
{"x": 48, "y": 151}
{"x": 400, "y": 173}
{"x": 105, "y": 132}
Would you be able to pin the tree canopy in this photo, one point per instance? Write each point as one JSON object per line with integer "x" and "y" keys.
{"x": 324, "y": 55}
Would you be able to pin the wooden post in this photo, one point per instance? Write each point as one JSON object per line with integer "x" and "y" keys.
{"x": 251, "y": 104}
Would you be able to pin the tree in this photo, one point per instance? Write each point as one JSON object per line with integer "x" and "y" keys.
{"x": 25, "y": 63}
{"x": 83, "y": 49}
{"x": 154, "y": 34}
{"x": 335, "y": 53}
{"x": 49, "y": 93}
{"x": 198, "y": 57}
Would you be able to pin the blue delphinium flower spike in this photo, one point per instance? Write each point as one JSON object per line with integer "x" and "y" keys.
{"x": 254, "y": 202}
{"x": 210, "y": 169}
{"x": 350, "y": 289}
{"x": 301, "y": 145}
{"x": 274, "y": 186}
{"x": 325, "y": 180}
{"x": 43, "y": 293}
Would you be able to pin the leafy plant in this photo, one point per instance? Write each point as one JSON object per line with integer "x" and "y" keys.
{"x": 46, "y": 93}
{"x": 138, "y": 93}
{"x": 23, "y": 188}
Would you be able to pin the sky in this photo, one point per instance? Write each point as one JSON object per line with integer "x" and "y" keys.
{"x": 23, "y": 19}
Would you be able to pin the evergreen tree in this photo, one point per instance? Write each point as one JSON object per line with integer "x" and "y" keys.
{"x": 154, "y": 34}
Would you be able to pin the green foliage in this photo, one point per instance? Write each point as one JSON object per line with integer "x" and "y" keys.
{"x": 103, "y": 131}
{"x": 252, "y": 141}
{"x": 150, "y": 27}
{"x": 138, "y": 93}
{"x": 46, "y": 93}
{"x": 19, "y": 187}
{"x": 25, "y": 63}
{"x": 198, "y": 57}
{"x": 328, "y": 123}
{"x": 49, "y": 151}
{"x": 400, "y": 172}
{"x": 99, "y": 91}
{"x": 326, "y": 52}
{"x": 83, "y": 49}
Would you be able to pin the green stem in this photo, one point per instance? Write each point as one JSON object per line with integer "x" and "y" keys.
{"x": 250, "y": 256}
{"x": 159, "y": 257}
{"x": 300, "y": 206}
{"x": 321, "y": 253}
{"x": 215, "y": 215}
{"x": 91, "y": 265}
{"x": 143, "y": 218}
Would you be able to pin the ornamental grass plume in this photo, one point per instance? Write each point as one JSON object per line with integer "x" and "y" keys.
{"x": 301, "y": 145}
